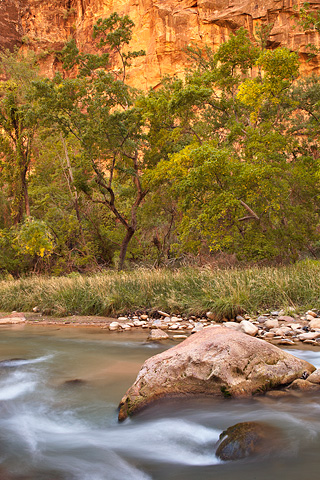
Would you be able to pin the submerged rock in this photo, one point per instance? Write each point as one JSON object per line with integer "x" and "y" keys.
{"x": 74, "y": 382}
{"x": 216, "y": 361}
{"x": 248, "y": 439}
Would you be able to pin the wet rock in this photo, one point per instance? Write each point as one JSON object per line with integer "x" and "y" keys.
{"x": 179, "y": 337}
{"x": 175, "y": 326}
{"x": 216, "y": 361}
{"x": 309, "y": 336}
{"x": 315, "y": 376}
{"x": 13, "y": 362}
{"x": 114, "y": 326}
{"x": 303, "y": 385}
{"x": 248, "y": 328}
{"x": 269, "y": 335}
{"x": 248, "y": 439}
{"x": 75, "y": 382}
{"x": 12, "y": 319}
{"x": 285, "y": 341}
{"x": 157, "y": 334}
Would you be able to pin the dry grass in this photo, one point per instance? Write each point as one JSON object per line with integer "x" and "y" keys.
{"x": 191, "y": 291}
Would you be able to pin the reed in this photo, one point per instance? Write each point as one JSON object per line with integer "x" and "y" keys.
{"x": 191, "y": 290}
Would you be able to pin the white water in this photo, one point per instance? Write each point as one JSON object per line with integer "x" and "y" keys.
{"x": 52, "y": 431}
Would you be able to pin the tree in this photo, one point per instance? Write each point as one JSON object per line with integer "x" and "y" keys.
{"x": 239, "y": 182}
{"x": 18, "y": 125}
{"x": 96, "y": 107}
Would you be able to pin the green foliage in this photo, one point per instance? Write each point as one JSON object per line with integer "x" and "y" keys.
{"x": 227, "y": 157}
{"x": 34, "y": 238}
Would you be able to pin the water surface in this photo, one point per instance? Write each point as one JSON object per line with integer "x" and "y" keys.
{"x": 59, "y": 391}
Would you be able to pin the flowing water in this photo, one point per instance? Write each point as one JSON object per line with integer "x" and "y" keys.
{"x": 59, "y": 390}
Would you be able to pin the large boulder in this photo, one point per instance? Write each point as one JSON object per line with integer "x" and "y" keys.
{"x": 216, "y": 361}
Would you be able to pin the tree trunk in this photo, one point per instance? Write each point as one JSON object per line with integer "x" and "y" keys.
{"x": 26, "y": 196}
{"x": 124, "y": 246}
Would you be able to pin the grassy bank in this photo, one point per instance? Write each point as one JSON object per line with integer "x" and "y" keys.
{"x": 192, "y": 291}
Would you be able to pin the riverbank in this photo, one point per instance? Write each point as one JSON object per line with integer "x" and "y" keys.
{"x": 275, "y": 327}
{"x": 190, "y": 291}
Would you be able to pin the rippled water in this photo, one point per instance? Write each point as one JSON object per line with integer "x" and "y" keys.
{"x": 53, "y": 430}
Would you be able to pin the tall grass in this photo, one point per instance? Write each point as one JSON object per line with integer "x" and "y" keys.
{"x": 191, "y": 291}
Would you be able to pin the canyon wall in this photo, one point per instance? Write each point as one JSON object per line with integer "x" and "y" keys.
{"x": 163, "y": 28}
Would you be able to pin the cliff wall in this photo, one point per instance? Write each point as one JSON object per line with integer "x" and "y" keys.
{"x": 163, "y": 28}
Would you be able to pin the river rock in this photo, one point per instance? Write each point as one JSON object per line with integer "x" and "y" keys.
{"x": 216, "y": 361}
{"x": 311, "y": 313}
{"x": 309, "y": 336}
{"x": 314, "y": 323}
{"x": 13, "y": 319}
{"x": 248, "y": 328}
{"x": 271, "y": 323}
{"x": 303, "y": 385}
{"x": 234, "y": 325}
{"x": 315, "y": 376}
{"x": 248, "y": 439}
{"x": 157, "y": 334}
{"x": 286, "y": 318}
{"x": 114, "y": 326}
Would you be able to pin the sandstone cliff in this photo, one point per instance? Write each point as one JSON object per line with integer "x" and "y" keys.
{"x": 163, "y": 28}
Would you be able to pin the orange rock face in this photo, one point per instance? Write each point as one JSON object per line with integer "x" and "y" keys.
{"x": 163, "y": 28}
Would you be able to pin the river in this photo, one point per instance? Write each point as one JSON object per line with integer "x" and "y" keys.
{"x": 59, "y": 391}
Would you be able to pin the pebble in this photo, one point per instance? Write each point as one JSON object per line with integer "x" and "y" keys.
{"x": 262, "y": 319}
{"x": 114, "y": 326}
{"x": 286, "y": 318}
{"x": 309, "y": 336}
{"x": 175, "y": 326}
{"x": 234, "y": 325}
{"x": 12, "y": 319}
{"x": 268, "y": 326}
{"x": 175, "y": 319}
{"x": 157, "y": 335}
{"x": 271, "y": 323}
{"x": 248, "y": 328}
{"x": 315, "y": 323}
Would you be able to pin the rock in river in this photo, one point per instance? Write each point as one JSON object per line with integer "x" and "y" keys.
{"x": 248, "y": 439}
{"x": 216, "y": 361}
